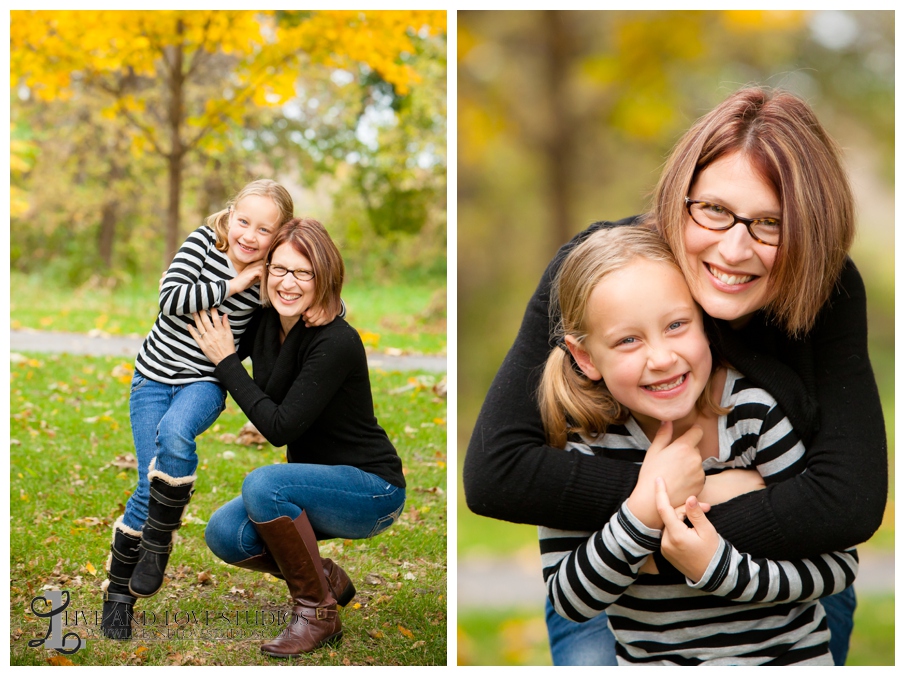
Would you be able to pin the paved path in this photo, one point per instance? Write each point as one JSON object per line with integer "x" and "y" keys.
{"x": 486, "y": 582}
{"x": 29, "y": 340}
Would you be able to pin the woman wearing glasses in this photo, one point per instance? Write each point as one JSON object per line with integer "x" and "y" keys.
{"x": 755, "y": 204}
{"x": 310, "y": 392}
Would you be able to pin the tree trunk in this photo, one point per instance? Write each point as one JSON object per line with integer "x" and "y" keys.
{"x": 110, "y": 210}
{"x": 175, "y": 115}
{"x": 560, "y": 140}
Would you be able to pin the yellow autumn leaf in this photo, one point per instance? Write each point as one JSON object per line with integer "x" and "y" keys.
{"x": 140, "y": 650}
{"x": 405, "y": 632}
{"x": 439, "y": 421}
{"x": 91, "y": 569}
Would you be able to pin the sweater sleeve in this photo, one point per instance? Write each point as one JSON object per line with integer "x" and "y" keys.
{"x": 325, "y": 368}
{"x": 585, "y": 575}
{"x": 182, "y": 292}
{"x": 510, "y": 473}
{"x": 746, "y": 579}
{"x": 838, "y": 502}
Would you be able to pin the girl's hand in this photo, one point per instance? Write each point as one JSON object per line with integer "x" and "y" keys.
{"x": 213, "y": 335}
{"x": 679, "y": 462}
{"x": 249, "y": 276}
{"x": 317, "y": 316}
{"x": 688, "y": 549}
{"x": 724, "y": 486}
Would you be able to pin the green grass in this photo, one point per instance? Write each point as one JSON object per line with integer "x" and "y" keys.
{"x": 70, "y": 421}
{"x": 405, "y": 315}
{"x": 519, "y": 637}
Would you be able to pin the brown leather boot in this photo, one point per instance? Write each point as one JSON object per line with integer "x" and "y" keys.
{"x": 340, "y": 583}
{"x": 315, "y": 620}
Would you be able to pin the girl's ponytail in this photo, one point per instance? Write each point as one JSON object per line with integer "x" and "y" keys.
{"x": 572, "y": 402}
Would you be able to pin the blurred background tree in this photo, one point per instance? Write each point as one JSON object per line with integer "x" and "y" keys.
{"x": 566, "y": 118}
{"x": 128, "y": 128}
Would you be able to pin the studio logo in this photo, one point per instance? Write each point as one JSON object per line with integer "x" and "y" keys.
{"x": 55, "y": 638}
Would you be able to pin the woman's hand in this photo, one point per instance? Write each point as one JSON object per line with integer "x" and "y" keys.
{"x": 213, "y": 335}
{"x": 678, "y": 462}
{"x": 317, "y": 316}
{"x": 724, "y": 486}
{"x": 688, "y": 549}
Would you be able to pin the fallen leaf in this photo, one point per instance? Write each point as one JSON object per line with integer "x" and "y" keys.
{"x": 91, "y": 569}
{"x": 405, "y": 632}
{"x": 60, "y": 661}
{"x": 204, "y": 577}
{"x": 375, "y": 633}
{"x": 418, "y": 644}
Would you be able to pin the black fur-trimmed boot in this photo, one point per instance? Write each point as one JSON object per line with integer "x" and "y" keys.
{"x": 116, "y": 618}
{"x": 169, "y": 498}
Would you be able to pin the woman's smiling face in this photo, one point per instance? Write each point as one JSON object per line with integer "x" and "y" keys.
{"x": 289, "y": 296}
{"x": 729, "y": 271}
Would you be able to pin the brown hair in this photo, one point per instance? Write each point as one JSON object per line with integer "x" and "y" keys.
{"x": 569, "y": 400}
{"x": 264, "y": 187}
{"x": 310, "y": 238}
{"x": 779, "y": 133}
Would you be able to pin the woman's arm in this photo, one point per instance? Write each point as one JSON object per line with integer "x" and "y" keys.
{"x": 181, "y": 292}
{"x": 510, "y": 473}
{"x": 585, "y": 573}
{"x": 323, "y": 372}
{"x": 839, "y": 501}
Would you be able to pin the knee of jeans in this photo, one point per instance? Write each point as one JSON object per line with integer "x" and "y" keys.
{"x": 255, "y": 490}
{"x": 215, "y": 536}
{"x": 175, "y": 440}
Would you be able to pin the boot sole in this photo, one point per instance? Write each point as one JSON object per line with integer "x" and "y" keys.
{"x": 347, "y": 595}
{"x": 331, "y": 641}
{"x": 142, "y": 595}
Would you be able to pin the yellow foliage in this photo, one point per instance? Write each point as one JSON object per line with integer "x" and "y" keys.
{"x": 758, "y": 20}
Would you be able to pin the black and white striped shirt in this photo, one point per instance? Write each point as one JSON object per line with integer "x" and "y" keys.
{"x": 197, "y": 279}
{"x": 744, "y": 610}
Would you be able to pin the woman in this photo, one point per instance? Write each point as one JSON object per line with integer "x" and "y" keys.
{"x": 789, "y": 311}
{"x": 310, "y": 392}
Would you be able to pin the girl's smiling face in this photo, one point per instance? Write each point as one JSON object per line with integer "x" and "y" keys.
{"x": 253, "y": 220}
{"x": 646, "y": 341}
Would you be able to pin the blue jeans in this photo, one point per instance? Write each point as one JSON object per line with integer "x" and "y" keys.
{"x": 165, "y": 421}
{"x": 592, "y": 643}
{"x": 340, "y": 501}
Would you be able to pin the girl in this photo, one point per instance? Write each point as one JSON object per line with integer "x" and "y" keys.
{"x": 637, "y": 339}
{"x": 175, "y": 395}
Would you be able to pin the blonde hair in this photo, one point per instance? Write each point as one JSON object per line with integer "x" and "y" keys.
{"x": 264, "y": 187}
{"x": 569, "y": 400}
{"x": 780, "y": 135}
{"x": 311, "y": 239}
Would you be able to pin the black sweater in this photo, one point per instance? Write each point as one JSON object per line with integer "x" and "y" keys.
{"x": 823, "y": 382}
{"x": 312, "y": 394}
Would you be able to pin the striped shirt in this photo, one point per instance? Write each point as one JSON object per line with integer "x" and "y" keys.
{"x": 197, "y": 279}
{"x": 744, "y": 610}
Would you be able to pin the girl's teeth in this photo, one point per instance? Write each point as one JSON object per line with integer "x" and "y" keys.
{"x": 666, "y": 386}
{"x": 731, "y": 280}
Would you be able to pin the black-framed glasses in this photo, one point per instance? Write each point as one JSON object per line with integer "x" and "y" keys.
{"x": 714, "y": 216}
{"x": 280, "y": 271}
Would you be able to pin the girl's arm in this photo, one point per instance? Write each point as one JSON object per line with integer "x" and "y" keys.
{"x": 181, "y": 292}
{"x": 839, "y": 501}
{"x": 713, "y": 565}
{"x": 584, "y": 575}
